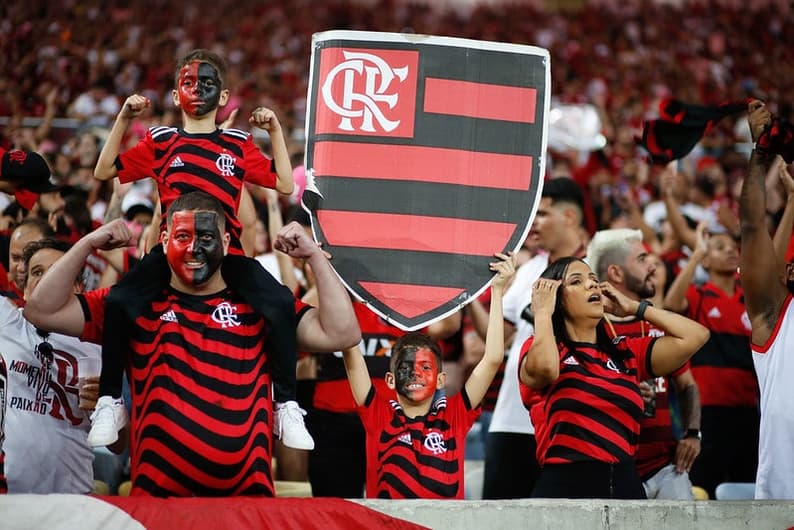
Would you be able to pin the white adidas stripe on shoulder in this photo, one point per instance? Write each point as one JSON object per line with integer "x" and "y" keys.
{"x": 160, "y": 130}
{"x": 242, "y": 135}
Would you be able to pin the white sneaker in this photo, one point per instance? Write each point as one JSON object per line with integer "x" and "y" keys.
{"x": 109, "y": 417}
{"x": 288, "y": 426}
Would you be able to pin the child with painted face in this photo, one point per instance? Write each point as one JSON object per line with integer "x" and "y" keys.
{"x": 201, "y": 157}
{"x": 415, "y": 444}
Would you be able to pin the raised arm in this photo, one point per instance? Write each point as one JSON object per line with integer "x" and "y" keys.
{"x": 764, "y": 291}
{"x": 333, "y": 325}
{"x": 357, "y": 373}
{"x": 783, "y": 232}
{"x": 50, "y": 106}
{"x": 677, "y": 221}
{"x": 53, "y": 305}
{"x": 106, "y": 163}
{"x": 675, "y": 299}
{"x": 541, "y": 366}
{"x": 480, "y": 379}
{"x": 682, "y": 338}
{"x": 266, "y": 119}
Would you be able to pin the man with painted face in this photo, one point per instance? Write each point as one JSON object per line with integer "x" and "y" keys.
{"x": 201, "y": 400}
{"x": 415, "y": 445}
{"x": 199, "y": 156}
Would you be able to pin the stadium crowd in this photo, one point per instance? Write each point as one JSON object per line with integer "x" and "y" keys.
{"x": 69, "y": 67}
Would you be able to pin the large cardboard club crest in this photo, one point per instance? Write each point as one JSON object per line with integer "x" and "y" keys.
{"x": 427, "y": 156}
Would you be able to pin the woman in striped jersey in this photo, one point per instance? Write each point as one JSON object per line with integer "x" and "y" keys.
{"x": 582, "y": 388}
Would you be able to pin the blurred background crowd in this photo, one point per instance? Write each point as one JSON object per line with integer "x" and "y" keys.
{"x": 67, "y": 66}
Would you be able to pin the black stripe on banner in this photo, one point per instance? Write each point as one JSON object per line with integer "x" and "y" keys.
{"x": 431, "y": 199}
{"x": 460, "y": 64}
{"x": 459, "y": 132}
{"x": 394, "y": 266}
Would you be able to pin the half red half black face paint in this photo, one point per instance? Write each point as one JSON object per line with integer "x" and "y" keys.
{"x": 195, "y": 246}
{"x": 199, "y": 88}
{"x": 416, "y": 374}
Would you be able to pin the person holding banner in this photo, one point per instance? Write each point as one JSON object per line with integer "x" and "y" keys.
{"x": 415, "y": 439}
{"x": 199, "y": 156}
{"x": 582, "y": 387}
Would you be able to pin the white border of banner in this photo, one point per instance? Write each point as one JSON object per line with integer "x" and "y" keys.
{"x": 374, "y": 36}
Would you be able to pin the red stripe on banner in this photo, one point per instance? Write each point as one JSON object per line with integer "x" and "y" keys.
{"x": 414, "y": 232}
{"x": 480, "y": 100}
{"x": 422, "y": 164}
{"x": 411, "y": 300}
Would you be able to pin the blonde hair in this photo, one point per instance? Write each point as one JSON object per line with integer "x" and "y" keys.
{"x": 610, "y": 247}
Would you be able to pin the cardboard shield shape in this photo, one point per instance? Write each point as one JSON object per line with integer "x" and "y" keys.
{"x": 424, "y": 157}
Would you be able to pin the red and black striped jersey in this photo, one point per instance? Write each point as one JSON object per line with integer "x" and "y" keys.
{"x": 332, "y": 391}
{"x": 593, "y": 410}
{"x": 201, "y": 400}
{"x": 416, "y": 458}
{"x": 217, "y": 163}
{"x": 723, "y": 367}
{"x": 657, "y": 440}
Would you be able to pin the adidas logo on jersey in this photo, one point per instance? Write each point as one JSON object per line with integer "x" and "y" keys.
{"x": 571, "y": 360}
{"x": 715, "y": 313}
{"x": 405, "y": 438}
{"x": 177, "y": 162}
{"x": 169, "y": 316}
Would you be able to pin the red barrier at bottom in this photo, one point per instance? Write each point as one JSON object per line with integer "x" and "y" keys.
{"x": 240, "y": 513}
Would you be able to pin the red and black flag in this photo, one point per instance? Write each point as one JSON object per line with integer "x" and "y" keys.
{"x": 427, "y": 156}
{"x": 680, "y": 127}
{"x": 778, "y": 139}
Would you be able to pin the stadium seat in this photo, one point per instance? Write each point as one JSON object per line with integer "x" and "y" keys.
{"x": 287, "y": 488}
{"x": 101, "y": 488}
{"x": 124, "y": 488}
{"x": 699, "y": 494}
{"x": 735, "y": 491}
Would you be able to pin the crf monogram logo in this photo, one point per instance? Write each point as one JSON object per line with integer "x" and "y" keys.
{"x": 434, "y": 443}
{"x": 225, "y": 164}
{"x": 226, "y": 315}
{"x": 379, "y": 75}
{"x": 17, "y": 156}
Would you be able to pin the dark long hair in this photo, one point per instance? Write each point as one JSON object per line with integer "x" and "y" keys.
{"x": 556, "y": 271}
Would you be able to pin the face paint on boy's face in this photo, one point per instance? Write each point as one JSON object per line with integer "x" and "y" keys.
{"x": 195, "y": 246}
{"x": 199, "y": 88}
{"x": 416, "y": 374}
